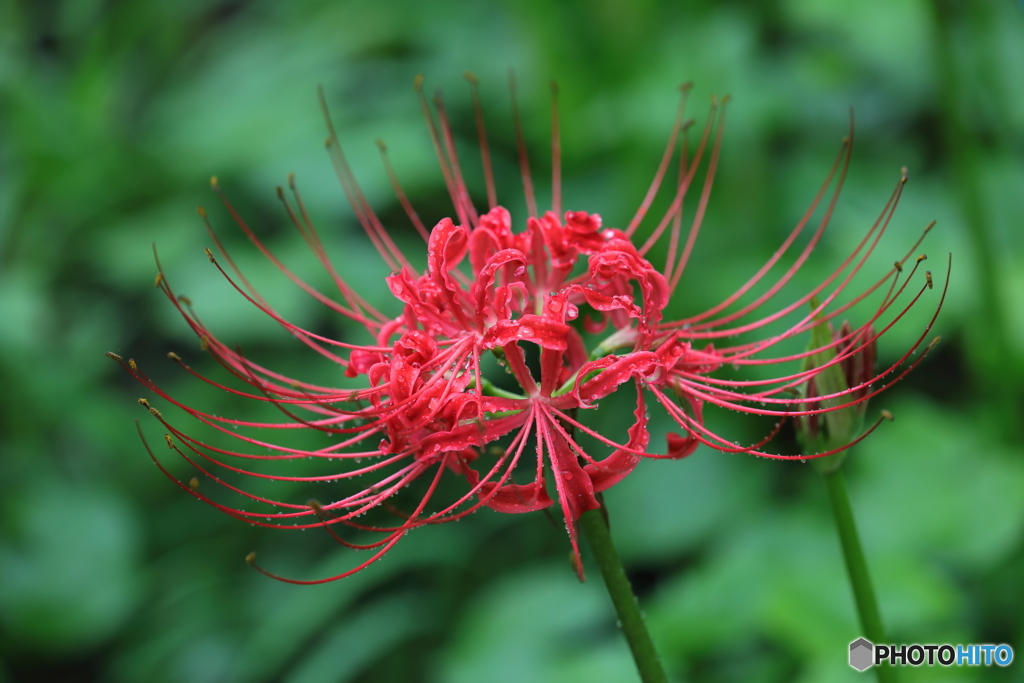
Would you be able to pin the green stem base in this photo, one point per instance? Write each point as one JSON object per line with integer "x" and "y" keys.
{"x": 594, "y": 526}
{"x": 856, "y": 566}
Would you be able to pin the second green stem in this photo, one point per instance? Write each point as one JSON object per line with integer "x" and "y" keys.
{"x": 856, "y": 565}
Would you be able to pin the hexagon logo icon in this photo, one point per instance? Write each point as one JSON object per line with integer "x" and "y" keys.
{"x": 861, "y": 651}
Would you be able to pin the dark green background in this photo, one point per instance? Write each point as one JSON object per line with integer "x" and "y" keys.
{"x": 114, "y": 114}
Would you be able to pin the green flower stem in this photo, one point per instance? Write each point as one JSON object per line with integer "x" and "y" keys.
{"x": 491, "y": 390}
{"x": 856, "y": 565}
{"x": 594, "y": 526}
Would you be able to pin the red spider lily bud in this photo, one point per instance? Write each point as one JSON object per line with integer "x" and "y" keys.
{"x": 843, "y": 367}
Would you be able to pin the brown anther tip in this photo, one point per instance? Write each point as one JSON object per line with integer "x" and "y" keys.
{"x": 184, "y": 300}
{"x": 280, "y": 192}
{"x": 111, "y": 354}
{"x": 380, "y": 145}
{"x": 250, "y": 559}
{"x": 928, "y": 279}
{"x": 417, "y": 83}
{"x": 686, "y": 87}
{"x": 169, "y": 440}
{"x": 214, "y": 183}
{"x": 726, "y": 100}
{"x": 688, "y": 123}
{"x": 903, "y": 174}
{"x": 158, "y": 279}
{"x": 173, "y": 356}
{"x": 922, "y": 257}
{"x": 193, "y": 483}
{"x": 144, "y": 403}
{"x": 209, "y": 255}
{"x": 934, "y": 342}
{"x": 201, "y": 211}
{"x": 846, "y": 140}
{"x": 327, "y": 141}
{"x": 204, "y": 343}
{"x": 898, "y": 266}
{"x": 470, "y": 76}
{"x": 928, "y": 227}
{"x": 154, "y": 412}
{"x": 315, "y": 505}
{"x": 132, "y": 365}
{"x": 887, "y": 415}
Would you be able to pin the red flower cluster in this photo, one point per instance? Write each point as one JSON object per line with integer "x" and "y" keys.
{"x": 427, "y": 406}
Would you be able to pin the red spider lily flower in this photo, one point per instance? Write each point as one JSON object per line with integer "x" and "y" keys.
{"x": 489, "y": 289}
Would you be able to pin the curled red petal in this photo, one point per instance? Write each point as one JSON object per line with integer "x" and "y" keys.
{"x": 680, "y": 446}
{"x": 545, "y": 333}
{"x": 515, "y": 498}
{"x": 608, "y": 472}
{"x": 485, "y": 281}
{"x": 615, "y": 371}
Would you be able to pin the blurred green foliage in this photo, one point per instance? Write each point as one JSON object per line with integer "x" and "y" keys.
{"x": 114, "y": 114}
